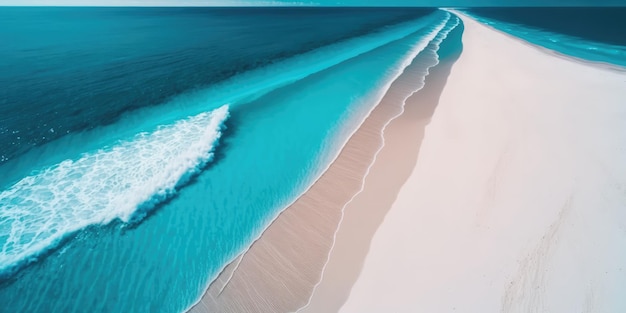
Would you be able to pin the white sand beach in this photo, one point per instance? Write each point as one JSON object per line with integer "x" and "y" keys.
{"x": 517, "y": 202}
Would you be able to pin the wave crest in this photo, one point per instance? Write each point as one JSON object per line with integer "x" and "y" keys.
{"x": 124, "y": 182}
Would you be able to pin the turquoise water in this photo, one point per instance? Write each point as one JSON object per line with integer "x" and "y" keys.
{"x": 138, "y": 214}
{"x": 592, "y": 34}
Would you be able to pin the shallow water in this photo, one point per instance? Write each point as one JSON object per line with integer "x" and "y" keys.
{"x": 136, "y": 240}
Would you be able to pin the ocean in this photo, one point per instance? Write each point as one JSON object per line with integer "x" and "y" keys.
{"x": 593, "y": 34}
{"x": 142, "y": 149}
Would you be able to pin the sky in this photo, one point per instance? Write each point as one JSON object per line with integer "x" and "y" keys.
{"x": 429, "y": 3}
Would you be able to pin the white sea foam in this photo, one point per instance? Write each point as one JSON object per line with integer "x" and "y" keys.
{"x": 122, "y": 182}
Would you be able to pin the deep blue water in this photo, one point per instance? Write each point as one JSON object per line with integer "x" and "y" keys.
{"x": 593, "y": 34}
{"x": 68, "y": 69}
{"x": 145, "y": 148}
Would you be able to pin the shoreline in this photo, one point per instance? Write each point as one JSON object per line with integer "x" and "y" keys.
{"x": 208, "y": 300}
{"x": 366, "y": 213}
{"x": 432, "y": 81}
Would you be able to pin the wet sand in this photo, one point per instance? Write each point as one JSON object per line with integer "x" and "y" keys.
{"x": 366, "y": 212}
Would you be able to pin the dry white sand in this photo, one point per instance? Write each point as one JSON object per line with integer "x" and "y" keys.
{"x": 517, "y": 202}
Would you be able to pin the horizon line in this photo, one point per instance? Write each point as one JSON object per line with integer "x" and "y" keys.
{"x": 291, "y": 5}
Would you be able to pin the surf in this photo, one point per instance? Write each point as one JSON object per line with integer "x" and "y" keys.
{"x": 123, "y": 181}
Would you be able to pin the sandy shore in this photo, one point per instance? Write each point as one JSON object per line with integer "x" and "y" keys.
{"x": 517, "y": 201}
{"x": 366, "y": 212}
{"x": 280, "y": 270}
{"x": 500, "y": 188}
